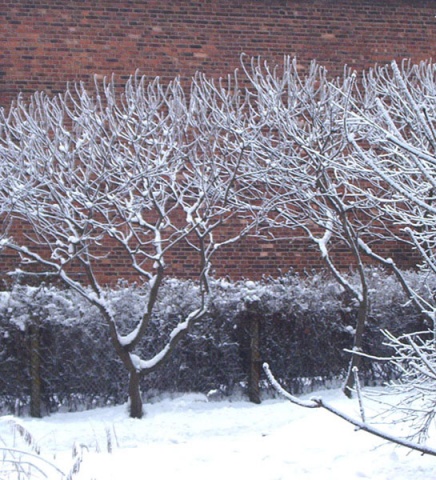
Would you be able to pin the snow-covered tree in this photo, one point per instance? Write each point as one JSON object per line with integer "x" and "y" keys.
{"x": 301, "y": 152}
{"x": 344, "y": 164}
{"x": 353, "y": 161}
{"x": 95, "y": 176}
{"x": 392, "y": 129}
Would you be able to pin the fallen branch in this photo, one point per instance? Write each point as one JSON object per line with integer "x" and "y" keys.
{"x": 317, "y": 402}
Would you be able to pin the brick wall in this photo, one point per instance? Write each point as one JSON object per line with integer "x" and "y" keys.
{"x": 46, "y": 43}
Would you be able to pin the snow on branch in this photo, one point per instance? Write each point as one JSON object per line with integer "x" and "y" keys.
{"x": 96, "y": 175}
{"x": 361, "y": 425}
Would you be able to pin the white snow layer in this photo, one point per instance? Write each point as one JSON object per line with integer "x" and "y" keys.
{"x": 188, "y": 437}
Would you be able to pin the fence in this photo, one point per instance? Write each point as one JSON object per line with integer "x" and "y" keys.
{"x": 56, "y": 352}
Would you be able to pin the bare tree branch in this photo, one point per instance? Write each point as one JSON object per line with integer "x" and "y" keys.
{"x": 320, "y": 403}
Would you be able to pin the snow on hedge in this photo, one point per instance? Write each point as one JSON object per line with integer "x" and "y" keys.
{"x": 306, "y": 324}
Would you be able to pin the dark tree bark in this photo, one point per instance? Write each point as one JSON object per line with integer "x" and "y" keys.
{"x": 135, "y": 398}
{"x": 356, "y": 359}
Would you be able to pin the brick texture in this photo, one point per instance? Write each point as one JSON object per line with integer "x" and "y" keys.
{"x": 46, "y": 43}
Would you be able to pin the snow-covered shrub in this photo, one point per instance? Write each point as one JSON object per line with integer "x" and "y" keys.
{"x": 208, "y": 357}
{"x": 74, "y": 348}
{"x": 392, "y": 311}
{"x": 306, "y": 325}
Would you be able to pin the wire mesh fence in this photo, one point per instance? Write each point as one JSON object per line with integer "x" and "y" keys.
{"x": 68, "y": 360}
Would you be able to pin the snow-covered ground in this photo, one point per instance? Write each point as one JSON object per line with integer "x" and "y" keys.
{"x": 188, "y": 437}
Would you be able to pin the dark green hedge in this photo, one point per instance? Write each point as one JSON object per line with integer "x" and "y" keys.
{"x": 305, "y": 323}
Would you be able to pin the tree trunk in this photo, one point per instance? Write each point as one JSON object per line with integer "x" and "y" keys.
{"x": 135, "y": 398}
{"x": 356, "y": 359}
{"x": 35, "y": 372}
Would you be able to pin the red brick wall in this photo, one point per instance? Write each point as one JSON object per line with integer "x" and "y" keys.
{"x": 46, "y": 43}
